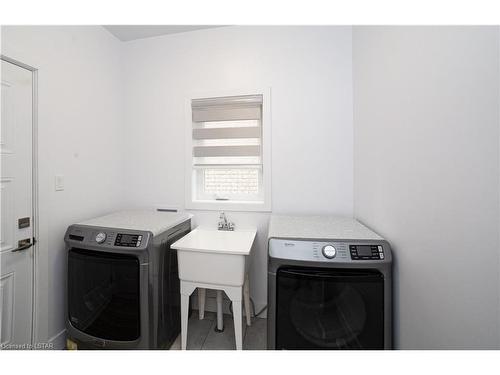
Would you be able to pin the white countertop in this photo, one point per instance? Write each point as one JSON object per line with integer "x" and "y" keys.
{"x": 237, "y": 242}
{"x": 148, "y": 220}
{"x": 319, "y": 227}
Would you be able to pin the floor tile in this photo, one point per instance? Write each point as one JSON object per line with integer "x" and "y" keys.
{"x": 201, "y": 334}
{"x": 223, "y": 340}
{"x": 197, "y": 331}
{"x": 176, "y": 344}
{"x": 256, "y": 335}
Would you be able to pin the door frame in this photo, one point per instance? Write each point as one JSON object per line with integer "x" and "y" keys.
{"x": 35, "y": 266}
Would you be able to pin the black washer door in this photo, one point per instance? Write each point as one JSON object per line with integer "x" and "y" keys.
{"x": 319, "y": 308}
{"x": 103, "y": 294}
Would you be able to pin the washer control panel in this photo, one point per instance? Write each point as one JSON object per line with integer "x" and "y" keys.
{"x": 326, "y": 251}
{"x": 107, "y": 238}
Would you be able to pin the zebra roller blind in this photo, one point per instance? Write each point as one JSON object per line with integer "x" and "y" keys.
{"x": 227, "y": 131}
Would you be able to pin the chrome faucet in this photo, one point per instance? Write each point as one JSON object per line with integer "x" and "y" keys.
{"x": 224, "y": 224}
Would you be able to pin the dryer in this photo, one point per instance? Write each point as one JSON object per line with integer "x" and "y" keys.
{"x": 123, "y": 285}
{"x": 329, "y": 285}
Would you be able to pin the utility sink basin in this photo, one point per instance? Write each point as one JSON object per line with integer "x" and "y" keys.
{"x": 215, "y": 259}
{"x": 213, "y": 256}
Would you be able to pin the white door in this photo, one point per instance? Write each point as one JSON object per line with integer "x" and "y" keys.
{"x": 16, "y": 236}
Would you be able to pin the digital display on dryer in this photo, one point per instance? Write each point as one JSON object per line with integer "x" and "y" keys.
{"x": 364, "y": 251}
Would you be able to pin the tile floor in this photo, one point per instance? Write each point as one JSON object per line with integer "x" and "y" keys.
{"x": 201, "y": 334}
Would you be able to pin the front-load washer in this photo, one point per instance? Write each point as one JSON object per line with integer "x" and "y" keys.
{"x": 123, "y": 289}
{"x": 329, "y": 285}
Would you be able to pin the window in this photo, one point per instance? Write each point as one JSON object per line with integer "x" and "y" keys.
{"x": 228, "y": 153}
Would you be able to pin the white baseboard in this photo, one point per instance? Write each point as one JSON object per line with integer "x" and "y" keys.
{"x": 58, "y": 341}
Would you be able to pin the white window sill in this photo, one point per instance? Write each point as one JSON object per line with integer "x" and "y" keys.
{"x": 228, "y": 206}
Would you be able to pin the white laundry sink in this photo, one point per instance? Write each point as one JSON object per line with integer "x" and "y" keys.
{"x": 214, "y": 257}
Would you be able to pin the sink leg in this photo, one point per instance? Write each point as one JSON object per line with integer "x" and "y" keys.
{"x": 237, "y": 324}
{"x": 246, "y": 298}
{"x": 184, "y": 320}
{"x": 201, "y": 302}
{"x": 220, "y": 323}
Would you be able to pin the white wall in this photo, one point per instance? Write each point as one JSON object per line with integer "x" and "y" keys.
{"x": 426, "y": 161}
{"x": 426, "y": 167}
{"x": 80, "y": 136}
{"x": 309, "y": 72}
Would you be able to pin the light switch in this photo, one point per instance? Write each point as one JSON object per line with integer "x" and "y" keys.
{"x": 59, "y": 182}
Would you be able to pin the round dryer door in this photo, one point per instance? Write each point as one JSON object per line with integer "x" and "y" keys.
{"x": 337, "y": 317}
{"x": 329, "y": 308}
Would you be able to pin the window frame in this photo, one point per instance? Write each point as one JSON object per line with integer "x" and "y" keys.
{"x": 189, "y": 170}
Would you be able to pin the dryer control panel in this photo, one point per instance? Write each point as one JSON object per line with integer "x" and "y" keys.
{"x": 326, "y": 251}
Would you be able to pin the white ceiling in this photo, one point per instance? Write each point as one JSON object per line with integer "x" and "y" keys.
{"x": 131, "y": 32}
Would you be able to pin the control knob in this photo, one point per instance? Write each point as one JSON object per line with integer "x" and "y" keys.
{"x": 101, "y": 237}
{"x": 329, "y": 251}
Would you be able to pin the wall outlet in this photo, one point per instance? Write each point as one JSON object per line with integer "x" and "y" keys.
{"x": 59, "y": 182}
